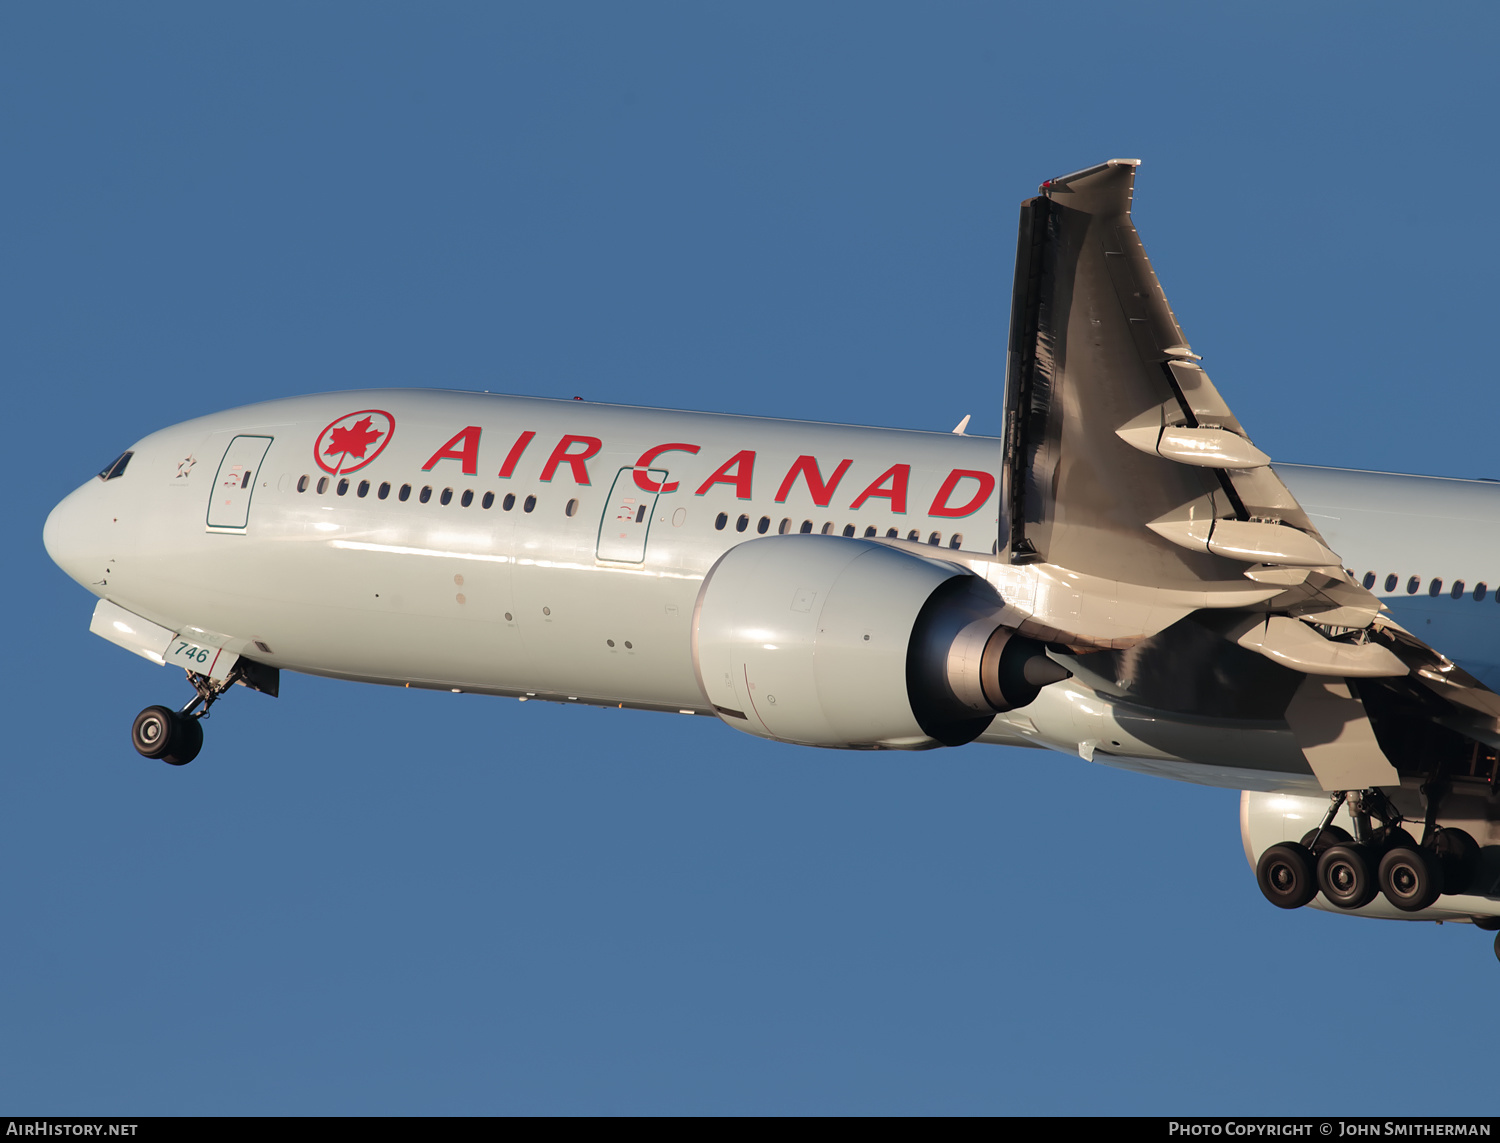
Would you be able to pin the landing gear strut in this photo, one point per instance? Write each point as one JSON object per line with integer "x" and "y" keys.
{"x": 176, "y": 736}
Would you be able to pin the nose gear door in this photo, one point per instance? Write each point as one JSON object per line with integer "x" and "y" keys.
{"x": 229, "y": 501}
{"x": 627, "y": 517}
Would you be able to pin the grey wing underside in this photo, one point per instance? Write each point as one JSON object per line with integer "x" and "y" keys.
{"x": 1099, "y": 373}
{"x": 1124, "y": 462}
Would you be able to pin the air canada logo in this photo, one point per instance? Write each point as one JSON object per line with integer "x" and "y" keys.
{"x": 354, "y": 440}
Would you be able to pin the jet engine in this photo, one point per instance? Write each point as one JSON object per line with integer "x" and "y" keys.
{"x": 826, "y": 641}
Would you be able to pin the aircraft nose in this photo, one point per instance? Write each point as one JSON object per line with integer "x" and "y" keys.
{"x": 71, "y": 537}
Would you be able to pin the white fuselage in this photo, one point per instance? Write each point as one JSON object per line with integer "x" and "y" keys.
{"x": 556, "y": 548}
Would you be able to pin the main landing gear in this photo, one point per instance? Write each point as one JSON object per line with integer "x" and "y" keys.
{"x": 1384, "y": 858}
{"x": 176, "y": 736}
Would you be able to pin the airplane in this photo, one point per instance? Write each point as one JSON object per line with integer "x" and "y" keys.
{"x": 1121, "y": 574}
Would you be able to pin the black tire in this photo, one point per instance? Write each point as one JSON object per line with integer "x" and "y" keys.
{"x": 154, "y": 729}
{"x": 1411, "y": 878}
{"x": 1487, "y": 924}
{"x": 1396, "y": 838}
{"x": 1287, "y": 876}
{"x": 1347, "y": 876}
{"x": 186, "y": 743}
{"x": 1330, "y": 837}
{"x": 1459, "y": 854}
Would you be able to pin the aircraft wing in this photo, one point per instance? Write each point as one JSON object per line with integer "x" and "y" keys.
{"x": 1123, "y": 463}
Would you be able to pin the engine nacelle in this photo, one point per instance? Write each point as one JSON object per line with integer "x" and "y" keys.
{"x": 826, "y": 641}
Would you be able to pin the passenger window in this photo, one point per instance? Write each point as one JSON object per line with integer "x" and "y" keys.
{"x": 828, "y": 528}
{"x": 405, "y": 493}
{"x": 446, "y": 498}
{"x": 1458, "y": 588}
{"x": 1436, "y": 587}
{"x": 467, "y": 498}
{"x": 892, "y": 534}
{"x": 764, "y": 526}
{"x": 1390, "y": 582}
{"x": 784, "y": 527}
{"x": 742, "y": 523}
{"x": 571, "y": 509}
{"x": 936, "y": 539}
{"x": 385, "y": 489}
{"x": 303, "y": 483}
{"x": 322, "y": 485}
{"x": 488, "y": 502}
{"x": 914, "y": 536}
{"x": 957, "y": 541}
{"x": 806, "y": 527}
{"x": 1479, "y": 591}
{"x": 530, "y": 503}
{"x": 848, "y": 530}
{"x": 721, "y": 519}
{"x": 343, "y": 485}
{"x": 426, "y": 493}
{"x": 871, "y": 531}
{"x": 364, "y": 489}
{"x": 1412, "y": 584}
{"x": 509, "y": 502}
{"x": 1369, "y": 580}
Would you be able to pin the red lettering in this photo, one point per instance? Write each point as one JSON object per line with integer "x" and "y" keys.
{"x": 899, "y": 475}
{"x": 574, "y": 460}
{"x": 514, "y": 455}
{"x": 940, "y": 506}
{"x": 808, "y": 467}
{"x": 643, "y": 479}
{"x": 468, "y": 454}
{"x": 737, "y": 470}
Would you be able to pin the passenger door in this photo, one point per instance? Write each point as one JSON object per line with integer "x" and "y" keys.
{"x": 229, "y": 501}
{"x": 627, "y": 517}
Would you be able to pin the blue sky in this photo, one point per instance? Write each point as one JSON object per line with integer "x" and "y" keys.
{"x": 360, "y": 900}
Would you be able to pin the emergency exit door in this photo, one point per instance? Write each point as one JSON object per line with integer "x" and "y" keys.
{"x": 627, "y": 517}
{"x": 229, "y": 501}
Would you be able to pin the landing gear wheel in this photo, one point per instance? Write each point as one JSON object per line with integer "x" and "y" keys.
{"x": 153, "y": 730}
{"x": 1459, "y": 855}
{"x": 1287, "y": 876}
{"x": 163, "y": 733}
{"x": 1346, "y": 875}
{"x": 187, "y": 742}
{"x": 1410, "y": 878}
{"x": 1487, "y": 924}
{"x": 1497, "y": 946}
{"x": 1394, "y": 837}
{"x": 1329, "y": 838}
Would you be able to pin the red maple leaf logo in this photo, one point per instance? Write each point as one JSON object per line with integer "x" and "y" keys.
{"x": 353, "y": 441}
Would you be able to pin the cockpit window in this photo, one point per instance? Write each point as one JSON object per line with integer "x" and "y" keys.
{"x": 115, "y": 467}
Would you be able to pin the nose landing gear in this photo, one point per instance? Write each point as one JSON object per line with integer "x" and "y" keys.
{"x": 176, "y": 736}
